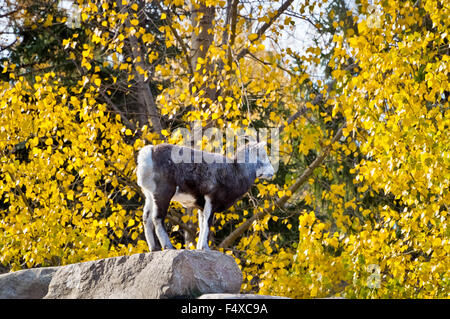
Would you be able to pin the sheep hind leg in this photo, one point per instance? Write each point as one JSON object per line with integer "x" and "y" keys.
{"x": 149, "y": 228}
{"x": 158, "y": 215}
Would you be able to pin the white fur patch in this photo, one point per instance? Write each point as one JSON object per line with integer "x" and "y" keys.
{"x": 144, "y": 170}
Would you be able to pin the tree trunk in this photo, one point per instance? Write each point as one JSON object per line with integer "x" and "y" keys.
{"x": 202, "y": 18}
{"x": 145, "y": 96}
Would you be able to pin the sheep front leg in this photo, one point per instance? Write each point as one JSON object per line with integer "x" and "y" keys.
{"x": 204, "y": 225}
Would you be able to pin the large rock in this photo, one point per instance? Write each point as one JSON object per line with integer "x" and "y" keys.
{"x": 26, "y": 284}
{"x": 164, "y": 274}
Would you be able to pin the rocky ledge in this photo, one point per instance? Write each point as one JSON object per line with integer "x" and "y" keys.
{"x": 164, "y": 274}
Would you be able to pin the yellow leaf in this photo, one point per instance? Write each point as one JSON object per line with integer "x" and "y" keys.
{"x": 164, "y": 132}
{"x": 185, "y": 218}
{"x": 253, "y": 36}
{"x": 49, "y": 141}
{"x": 49, "y": 20}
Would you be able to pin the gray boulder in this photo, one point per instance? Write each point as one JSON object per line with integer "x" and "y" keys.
{"x": 26, "y": 284}
{"x": 164, "y": 274}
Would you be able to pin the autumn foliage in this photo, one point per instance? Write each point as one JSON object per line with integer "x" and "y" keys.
{"x": 359, "y": 206}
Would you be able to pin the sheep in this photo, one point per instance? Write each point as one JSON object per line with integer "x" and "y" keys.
{"x": 210, "y": 182}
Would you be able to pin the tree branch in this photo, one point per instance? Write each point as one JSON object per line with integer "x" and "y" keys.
{"x": 266, "y": 26}
{"x": 116, "y": 109}
{"x": 292, "y": 118}
{"x": 177, "y": 36}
